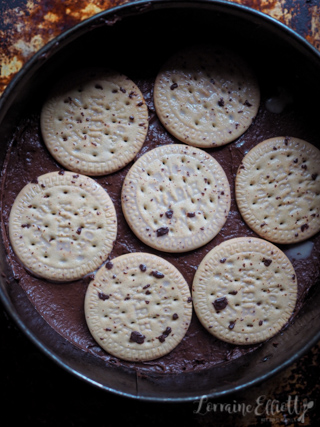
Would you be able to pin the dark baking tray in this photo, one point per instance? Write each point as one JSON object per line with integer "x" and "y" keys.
{"x": 152, "y": 30}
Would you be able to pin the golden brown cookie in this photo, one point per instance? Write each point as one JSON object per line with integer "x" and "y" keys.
{"x": 176, "y": 198}
{"x": 63, "y": 226}
{"x": 94, "y": 122}
{"x": 278, "y": 189}
{"x": 138, "y": 307}
{"x": 244, "y": 290}
{"x": 206, "y": 96}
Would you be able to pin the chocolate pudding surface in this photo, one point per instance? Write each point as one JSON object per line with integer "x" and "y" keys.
{"x": 61, "y": 304}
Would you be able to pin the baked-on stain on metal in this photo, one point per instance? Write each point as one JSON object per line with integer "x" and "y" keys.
{"x": 27, "y": 25}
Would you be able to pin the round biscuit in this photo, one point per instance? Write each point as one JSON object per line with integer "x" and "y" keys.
{"x": 95, "y": 121}
{"x": 63, "y": 226}
{"x": 206, "y": 96}
{"x": 138, "y": 307}
{"x": 277, "y": 189}
{"x": 176, "y": 198}
{"x": 244, "y": 291}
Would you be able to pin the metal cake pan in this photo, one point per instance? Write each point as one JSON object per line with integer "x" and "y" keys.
{"x": 137, "y": 33}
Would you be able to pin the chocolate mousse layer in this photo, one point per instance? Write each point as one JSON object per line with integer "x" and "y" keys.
{"x": 61, "y": 305}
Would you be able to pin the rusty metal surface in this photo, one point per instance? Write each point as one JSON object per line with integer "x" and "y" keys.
{"x": 291, "y": 398}
{"x": 27, "y": 25}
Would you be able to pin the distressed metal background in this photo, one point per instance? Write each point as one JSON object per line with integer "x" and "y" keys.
{"x": 27, "y": 25}
{"x": 36, "y": 390}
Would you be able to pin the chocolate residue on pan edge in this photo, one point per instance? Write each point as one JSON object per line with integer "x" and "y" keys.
{"x": 61, "y": 305}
